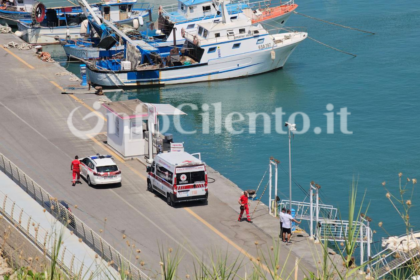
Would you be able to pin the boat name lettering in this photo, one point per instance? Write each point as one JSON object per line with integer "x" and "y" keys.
{"x": 264, "y": 46}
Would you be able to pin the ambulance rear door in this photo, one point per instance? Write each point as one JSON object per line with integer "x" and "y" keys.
{"x": 191, "y": 181}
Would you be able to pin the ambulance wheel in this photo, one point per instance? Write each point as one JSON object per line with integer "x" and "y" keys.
{"x": 169, "y": 199}
{"x": 149, "y": 186}
{"x": 206, "y": 202}
{"x": 88, "y": 181}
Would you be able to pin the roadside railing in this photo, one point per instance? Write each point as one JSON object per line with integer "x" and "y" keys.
{"x": 43, "y": 238}
{"x": 80, "y": 229}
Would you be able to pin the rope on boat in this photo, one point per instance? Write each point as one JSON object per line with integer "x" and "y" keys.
{"x": 328, "y": 46}
{"x": 340, "y": 25}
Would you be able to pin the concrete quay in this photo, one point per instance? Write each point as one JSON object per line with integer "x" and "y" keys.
{"x": 35, "y": 135}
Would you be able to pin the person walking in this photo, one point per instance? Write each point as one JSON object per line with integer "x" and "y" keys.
{"x": 243, "y": 201}
{"x": 283, "y": 211}
{"x": 75, "y": 167}
{"x": 287, "y": 226}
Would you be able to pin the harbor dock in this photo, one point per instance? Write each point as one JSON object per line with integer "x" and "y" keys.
{"x": 36, "y": 137}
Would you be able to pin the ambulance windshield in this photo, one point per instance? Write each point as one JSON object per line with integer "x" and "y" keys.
{"x": 190, "y": 177}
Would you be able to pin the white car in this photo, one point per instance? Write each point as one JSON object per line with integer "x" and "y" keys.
{"x": 100, "y": 170}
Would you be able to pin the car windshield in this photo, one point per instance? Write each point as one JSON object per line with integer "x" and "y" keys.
{"x": 109, "y": 168}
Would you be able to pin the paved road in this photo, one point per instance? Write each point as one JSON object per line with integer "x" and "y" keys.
{"x": 35, "y": 136}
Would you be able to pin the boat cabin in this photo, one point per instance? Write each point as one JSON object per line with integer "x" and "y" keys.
{"x": 216, "y": 39}
{"x": 115, "y": 10}
{"x": 190, "y": 9}
{"x": 188, "y": 12}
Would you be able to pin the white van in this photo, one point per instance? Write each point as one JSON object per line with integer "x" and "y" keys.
{"x": 179, "y": 177}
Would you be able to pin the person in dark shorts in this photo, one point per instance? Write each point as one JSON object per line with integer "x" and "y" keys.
{"x": 283, "y": 211}
{"x": 287, "y": 226}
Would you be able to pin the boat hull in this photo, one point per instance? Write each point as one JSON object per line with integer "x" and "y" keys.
{"x": 45, "y": 35}
{"x": 89, "y": 53}
{"x": 11, "y": 17}
{"x": 218, "y": 69}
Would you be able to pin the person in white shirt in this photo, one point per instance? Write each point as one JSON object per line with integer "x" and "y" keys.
{"x": 287, "y": 225}
{"x": 283, "y": 212}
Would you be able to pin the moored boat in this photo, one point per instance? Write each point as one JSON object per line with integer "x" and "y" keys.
{"x": 73, "y": 25}
{"x": 220, "y": 50}
{"x": 174, "y": 20}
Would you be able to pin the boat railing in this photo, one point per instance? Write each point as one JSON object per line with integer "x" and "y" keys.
{"x": 193, "y": 37}
{"x": 142, "y": 6}
{"x": 280, "y": 30}
{"x": 263, "y": 4}
{"x": 168, "y": 9}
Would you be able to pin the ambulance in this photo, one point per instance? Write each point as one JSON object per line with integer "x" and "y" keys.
{"x": 178, "y": 176}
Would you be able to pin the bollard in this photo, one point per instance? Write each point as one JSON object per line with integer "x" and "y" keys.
{"x": 83, "y": 74}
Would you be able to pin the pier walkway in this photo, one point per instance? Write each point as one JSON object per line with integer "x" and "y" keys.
{"x": 35, "y": 135}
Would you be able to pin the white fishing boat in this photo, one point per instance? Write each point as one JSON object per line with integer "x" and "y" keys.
{"x": 185, "y": 16}
{"x": 220, "y": 50}
{"x": 71, "y": 25}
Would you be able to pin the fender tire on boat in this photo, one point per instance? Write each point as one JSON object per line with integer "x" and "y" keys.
{"x": 38, "y": 13}
{"x": 183, "y": 32}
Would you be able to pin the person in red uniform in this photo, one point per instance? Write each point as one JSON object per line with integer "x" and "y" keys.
{"x": 243, "y": 201}
{"x": 75, "y": 166}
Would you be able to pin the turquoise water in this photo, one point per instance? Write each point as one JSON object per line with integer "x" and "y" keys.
{"x": 379, "y": 87}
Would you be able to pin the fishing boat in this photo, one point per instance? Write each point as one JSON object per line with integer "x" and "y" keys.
{"x": 185, "y": 16}
{"x": 12, "y": 11}
{"x": 82, "y": 49}
{"x": 176, "y": 19}
{"x": 72, "y": 24}
{"x": 219, "y": 50}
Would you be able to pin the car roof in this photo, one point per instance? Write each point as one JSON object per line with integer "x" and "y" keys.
{"x": 180, "y": 158}
{"x": 103, "y": 161}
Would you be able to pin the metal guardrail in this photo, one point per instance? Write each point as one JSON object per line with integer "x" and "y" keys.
{"x": 388, "y": 260}
{"x": 90, "y": 237}
{"x": 303, "y": 210}
{"x": 337, "y": 230}
{"x": 44, "y": 239}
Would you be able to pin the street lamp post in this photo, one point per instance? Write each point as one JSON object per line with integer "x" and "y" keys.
{"x": 291, "y": 127}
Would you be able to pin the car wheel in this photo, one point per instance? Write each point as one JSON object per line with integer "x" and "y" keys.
{"x": 206, "y": 202}
{"x": 169, "y": 199}
{"x": 149, "y": 186}
{"x": 88, "y": 181}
